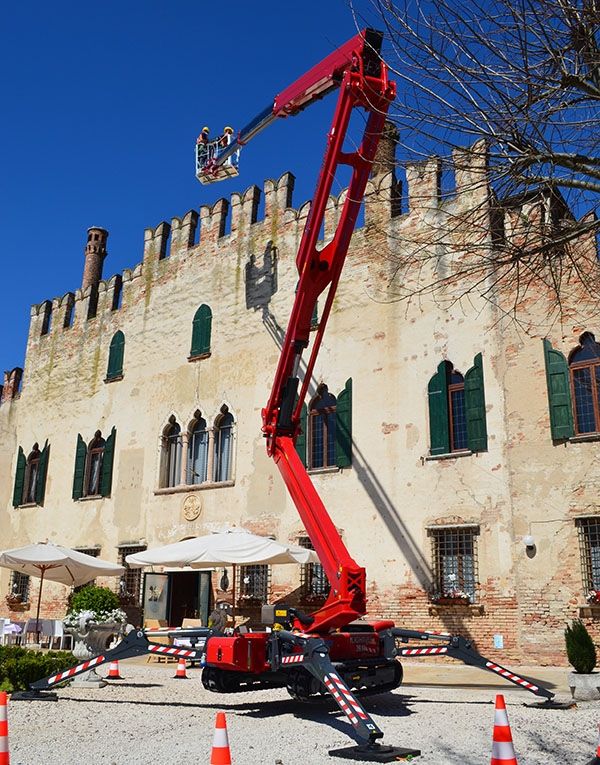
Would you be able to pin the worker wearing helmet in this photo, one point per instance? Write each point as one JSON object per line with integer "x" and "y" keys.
{"x": 202, "y": 147}
{"x": 225, "y": 139}
{"x": 203, "y": 137}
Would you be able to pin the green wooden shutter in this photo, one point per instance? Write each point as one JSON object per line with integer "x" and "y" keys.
{"x": 301, "y": 438}
{"x": 201, "y": 330}
{"x": 343, "y": 430}
{"x": 19, "y": 478}
{"x": 40, "y": 487}
{"x": 107, "y": 464}
{"x": 115, "y": 356}
{"x": 79, "y": 472}
{"x": 439, "y": 430}
{"x": 475, "y": 407}
{"x": 559, "y": 393}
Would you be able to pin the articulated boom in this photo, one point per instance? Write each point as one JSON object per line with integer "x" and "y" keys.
{"x": 319, "y": 271}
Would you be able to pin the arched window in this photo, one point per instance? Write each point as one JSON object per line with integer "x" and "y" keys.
{"x": 115, "y": 357}
{"x": 201, "y": 329}
{"x": 31, "y": 475}
{"x": 171, "y": 454}
{"x": 322, "y": 429}
{"x": 92, "y": 476}
{"x": 93, "y": 465}
{"x": 584, "y": 365}
{"x": 458, "y": 414}
{"x": 197, "y": 455}
{"x": 457, "y": 418}
{"x": 223, "y": 446}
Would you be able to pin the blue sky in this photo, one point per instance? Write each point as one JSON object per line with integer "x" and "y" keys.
{"x": 102, "y": 103}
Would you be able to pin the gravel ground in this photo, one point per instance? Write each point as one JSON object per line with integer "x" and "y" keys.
{"x": 151, "y": 718}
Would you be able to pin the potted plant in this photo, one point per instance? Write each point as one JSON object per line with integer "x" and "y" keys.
{"x": 453, "y": 596}
{"x": 581, "y": 652}
{"x": 94, "y": 619}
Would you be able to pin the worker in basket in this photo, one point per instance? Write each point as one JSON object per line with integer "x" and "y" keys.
{"x": 224, "y": 141}
{"x": 202, "y": 146}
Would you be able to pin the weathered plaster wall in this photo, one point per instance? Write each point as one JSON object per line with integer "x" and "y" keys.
{"x": 384, "y": 503}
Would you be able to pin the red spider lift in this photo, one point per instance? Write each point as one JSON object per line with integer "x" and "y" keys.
{"x": 333, "y": 651}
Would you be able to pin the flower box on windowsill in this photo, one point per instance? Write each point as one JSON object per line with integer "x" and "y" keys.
{"x": 16, "y": 604}
{"x": 451, "y": 601}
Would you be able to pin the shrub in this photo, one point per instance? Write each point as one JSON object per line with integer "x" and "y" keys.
{"x": 100, "y": 600}
{"x": 19, "y": 667}
{"x": 581, "y": 650}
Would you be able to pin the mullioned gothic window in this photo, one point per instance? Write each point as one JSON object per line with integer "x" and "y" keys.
{"x": 206, "y": 451}
{"x": 457, "y": 419}
{"x": 30, "y": 476}
{"x": 92, "y": 476}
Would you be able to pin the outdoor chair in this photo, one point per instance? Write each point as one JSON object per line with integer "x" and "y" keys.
{"x": 153, "y": 624}
{"x": 53, "y": 631}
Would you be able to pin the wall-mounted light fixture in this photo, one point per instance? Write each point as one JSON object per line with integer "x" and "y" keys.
{"x": 529, "y": 541}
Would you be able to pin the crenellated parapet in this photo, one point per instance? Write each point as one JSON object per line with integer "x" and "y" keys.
{"x": 404, "y": 203}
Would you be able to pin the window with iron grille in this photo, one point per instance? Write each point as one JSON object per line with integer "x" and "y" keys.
{"x": 254, "y": 582}
{"x": 94, "y": 552}
{"x": 313, "y": 580}
{"x": 19, "y": 586}
{"x": 454, "y": 561}
{"x": 589, "y": 546}
{"x": 130, "y": 584}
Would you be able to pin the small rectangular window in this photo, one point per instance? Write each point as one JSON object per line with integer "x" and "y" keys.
{"x": 94, "y": 552}
{"x": 589, "y": 547}
{"x": 254, "y": 583}
{"x": 130, "y": 584}
{"x": 454, "y": 561}
{"x": 313, "y": 580}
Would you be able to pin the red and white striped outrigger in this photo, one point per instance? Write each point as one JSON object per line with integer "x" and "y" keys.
{"x": 135, "y": 643}
{"x": 460, "y": 648}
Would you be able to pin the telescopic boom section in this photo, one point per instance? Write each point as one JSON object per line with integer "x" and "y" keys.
{"x": 361, "y": 76}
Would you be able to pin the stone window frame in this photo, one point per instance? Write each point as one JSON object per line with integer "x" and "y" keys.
{"x": 186, "y": 435}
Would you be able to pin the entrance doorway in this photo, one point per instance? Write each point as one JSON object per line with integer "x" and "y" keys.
{"x": 177, "y": 595}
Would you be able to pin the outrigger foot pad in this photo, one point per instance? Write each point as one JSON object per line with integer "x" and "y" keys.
{"x": 375, "y": 753}
{"x": 33, "y": 696}
{"x": 551, "y": 704}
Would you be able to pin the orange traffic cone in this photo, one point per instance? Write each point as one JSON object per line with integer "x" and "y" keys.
{"x": 181, "y": 673}
{"x": 4, "y": 753}
{"x": 113, "y": 671}
{"x": 596, "y": 760}
{"x": 503, "y": 751}
{"x": 220, "y": 754}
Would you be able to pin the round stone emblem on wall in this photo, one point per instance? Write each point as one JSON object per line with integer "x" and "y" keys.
{"x": 192, "y": 507}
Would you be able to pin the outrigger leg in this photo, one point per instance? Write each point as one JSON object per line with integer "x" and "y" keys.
{"x": 314, "y": 657}
{"x": 135, "y": 643}
{"x": 462, "y": 649}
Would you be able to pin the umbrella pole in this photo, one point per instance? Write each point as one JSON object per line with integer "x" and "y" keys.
{"x": 37, "y": 616}
{"x": 233, "y": 597}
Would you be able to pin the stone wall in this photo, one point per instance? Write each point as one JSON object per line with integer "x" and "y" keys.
{"x": 385, "y": 503}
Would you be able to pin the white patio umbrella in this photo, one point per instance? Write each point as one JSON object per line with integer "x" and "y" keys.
{"x": 57, "y": 563}
{"x": 234, "y": 546}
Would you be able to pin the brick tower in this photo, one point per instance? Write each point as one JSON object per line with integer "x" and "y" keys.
{"x": 95, "y": 252}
